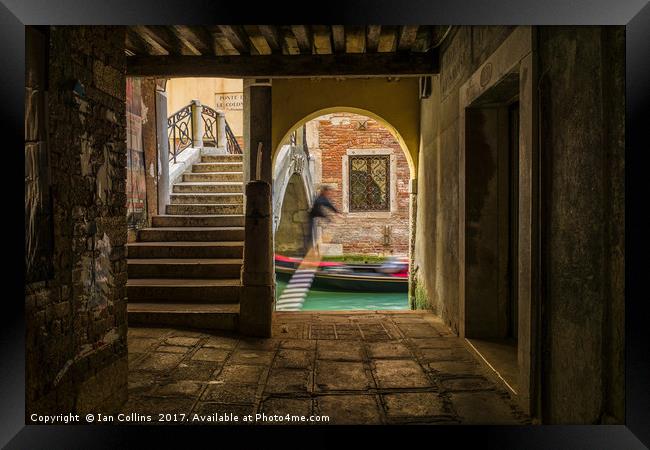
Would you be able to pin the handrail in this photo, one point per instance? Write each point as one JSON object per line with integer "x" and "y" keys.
{"x": 181, "y": 129}
{"x": 231, "y": 142}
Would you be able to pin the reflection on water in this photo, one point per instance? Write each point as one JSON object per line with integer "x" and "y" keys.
{"x": 341, "y": 301}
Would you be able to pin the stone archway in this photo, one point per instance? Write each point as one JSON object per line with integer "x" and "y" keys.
{"x": 408, "y": 185}
{"x": 292, "y": 229}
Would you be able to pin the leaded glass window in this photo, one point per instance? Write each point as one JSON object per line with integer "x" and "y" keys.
{"x": 369, "y": 182}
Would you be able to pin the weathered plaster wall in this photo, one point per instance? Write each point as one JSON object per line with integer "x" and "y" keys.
{"x": 436, "y": 256}
{"x": 76, "y": 356}
{"x": 395, "y": 102}
{"x": 582, "y": 129}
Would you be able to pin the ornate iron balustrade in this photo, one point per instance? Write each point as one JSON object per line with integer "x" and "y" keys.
{"x": 210, "y": 132}
{"x": 231, "y": 142}
{"x": 179, "y": 131}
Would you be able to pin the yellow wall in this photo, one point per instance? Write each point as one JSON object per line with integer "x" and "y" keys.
{"x": 181, "y": 91}
{"x": 395, "y": 103}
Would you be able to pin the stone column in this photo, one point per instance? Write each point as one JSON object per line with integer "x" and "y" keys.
{"x": 150, "y": 146}
{"x": 162, "y": 143}
{"x": 221, "y": 130}
{"x": 197, "y": 124}
{"x": 258, "y": 129}
{"x": 258, "y": 280}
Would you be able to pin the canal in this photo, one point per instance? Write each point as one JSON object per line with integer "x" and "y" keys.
{"x": 346, "y": 301}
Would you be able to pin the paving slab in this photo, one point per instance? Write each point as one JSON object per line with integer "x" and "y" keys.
{"x": 245, "y": 356}
{"x": 230, "y": 393}
{"x": 400, "y": 373}
{"x": 288, "y": 381}
{"x": 482, "y": 408}
{"x": 339, "y": 350}
{"x": 241, "y": 373}
{"x": 388, "y": 350}
{"x": 159, "y": 361}
{"x": 294, "y": 359}
{"x": 349, "y": 409}
{"x": 414, "y": 404}
{"x": 211, "y": 354}
{"x": 341, "y": 375}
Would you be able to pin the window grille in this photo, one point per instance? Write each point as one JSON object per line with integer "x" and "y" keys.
{"x": 369, "y": 181}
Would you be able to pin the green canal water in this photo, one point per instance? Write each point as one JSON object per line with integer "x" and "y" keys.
{"x": 345, "y": 301}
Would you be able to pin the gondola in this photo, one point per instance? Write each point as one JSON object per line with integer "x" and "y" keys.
{"x": 334, "y": 276}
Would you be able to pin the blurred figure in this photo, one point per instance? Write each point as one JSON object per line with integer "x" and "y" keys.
{"x": 318, "y": 215}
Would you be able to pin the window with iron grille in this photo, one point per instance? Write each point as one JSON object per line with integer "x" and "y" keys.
{"x": 369, "y": 181}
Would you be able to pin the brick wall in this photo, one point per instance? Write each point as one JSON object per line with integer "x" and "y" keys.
{"x": 361, "y": 233}
{"x": 76, "y": 355}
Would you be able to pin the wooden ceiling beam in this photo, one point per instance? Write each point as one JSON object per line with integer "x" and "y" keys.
{"x": 284, "y": 66}
{"x": 338, "y": 37}
{"x": 355, "y": 39}
{"x": 134, "y": 43}
{"x": 322, "y": 39}
{"x": 407, "y": 35}
{"x": 303, "y": 36}
{"x": 422, "y": 40}
{"x": 151, "y": 40}
{"x": 237, "y": 37}
{"x": 257, "y": 39}
{"x": 197, "y": 39}
{"x": 373, "y": 32}
{"x": 387, "y": 39}
{"x": 272, "y": 36}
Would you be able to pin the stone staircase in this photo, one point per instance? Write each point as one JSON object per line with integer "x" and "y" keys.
{"x": 185, "y": 269}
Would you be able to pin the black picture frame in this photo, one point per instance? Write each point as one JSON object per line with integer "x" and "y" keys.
{"x": 634, "y": 14}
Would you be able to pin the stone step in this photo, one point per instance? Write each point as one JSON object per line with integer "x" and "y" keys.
{"x": 185, "y": 249}
{"x": 236, "y": 177}
{"x": 205, "y": 209}
{"x": 217, "y": 167}
{"x": 184, "y": 268}
{"x": 199, "y": 316}
{"x": 195, "y": 198}
{"x": 207, "y": 234}
{"x": 222, "y": 158}
{"x": 198, "y": 221}
{"x": 208, "y": 187}
{"x": 181, "y": 290}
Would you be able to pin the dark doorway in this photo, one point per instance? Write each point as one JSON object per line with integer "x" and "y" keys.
{"x": 491, "y": 226}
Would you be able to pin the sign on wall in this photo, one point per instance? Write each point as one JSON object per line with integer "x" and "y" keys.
{"x": 229, "y": 101}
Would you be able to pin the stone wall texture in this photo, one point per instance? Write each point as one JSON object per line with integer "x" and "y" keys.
{"x": 362, "y": 233}
{"x": 580, "y": 74}
{"x": 76, "y": 354}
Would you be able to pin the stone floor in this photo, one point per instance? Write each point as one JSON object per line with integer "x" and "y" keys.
{"x": 355, "y": 368}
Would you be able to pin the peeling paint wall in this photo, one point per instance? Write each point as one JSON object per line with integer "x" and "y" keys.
{"x": 76, "y": 356}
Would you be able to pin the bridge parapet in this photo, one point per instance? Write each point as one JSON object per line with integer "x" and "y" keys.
{"x": 292, "y": 159}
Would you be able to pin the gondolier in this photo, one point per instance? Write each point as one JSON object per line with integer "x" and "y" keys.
{"x": 317, "y": 214}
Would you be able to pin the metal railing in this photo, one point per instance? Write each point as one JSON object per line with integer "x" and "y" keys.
{"x": 179, "y": 131}
{"x": 212, "y": 130}
{"x": 231, "y": 142}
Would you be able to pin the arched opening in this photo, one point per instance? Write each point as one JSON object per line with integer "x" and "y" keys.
{"x": 362, "y": 245}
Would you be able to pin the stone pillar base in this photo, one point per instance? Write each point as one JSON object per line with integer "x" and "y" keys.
{"x": 256, "y": 310}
